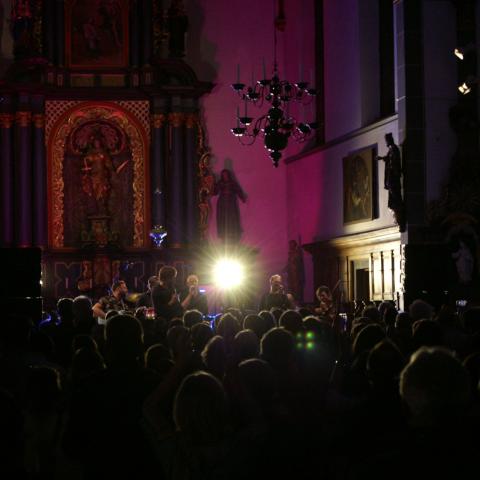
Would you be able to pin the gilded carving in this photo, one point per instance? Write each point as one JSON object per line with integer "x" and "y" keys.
{"x": 6, "y": 120}
{"x": 74, "y": 120}
{"x": 23, "y": 119}
{"x": 158, "y": 120}
{"x": 176, "y": 119}
{"x": 206, "y": 182}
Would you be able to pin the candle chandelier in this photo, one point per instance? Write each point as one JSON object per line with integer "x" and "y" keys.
{"x": 276, "y": 126}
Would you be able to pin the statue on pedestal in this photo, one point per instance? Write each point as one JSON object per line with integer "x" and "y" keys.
{"x": 392, "y": 180}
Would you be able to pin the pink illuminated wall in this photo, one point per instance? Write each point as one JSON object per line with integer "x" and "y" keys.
{"x": 227, "y": 34}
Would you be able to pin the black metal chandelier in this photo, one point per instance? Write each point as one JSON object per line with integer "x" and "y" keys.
{"x": 276, "y": 126}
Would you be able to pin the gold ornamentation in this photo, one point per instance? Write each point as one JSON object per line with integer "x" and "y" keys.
{"x": 23, "y": 119}
{"x": 191, "y": 120}
{"x": 206, "y": 182}
{"x": 38, "y": 120}
{"x": 86, "y": 113}
{"x": 158, "y": 120}
{"x": 6, "y": 120}
{"x": 176, "y": 119}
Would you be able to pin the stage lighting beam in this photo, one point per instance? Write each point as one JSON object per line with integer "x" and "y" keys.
{"x": 228, "y": 274}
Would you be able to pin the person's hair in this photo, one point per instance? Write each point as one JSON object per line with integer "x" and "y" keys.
{"x": 420, "y": 310}
{"x": 291, "y": 321}
{"x": 384, "y": 364}
{"x": 85, "y": 362}
{"x": 276, "y": 313}
{"x": 117, "y": 284}
{"x": 214, "y": 356}
{"x": 192, "y": 317}
{"x": 321, "y": 289}
{"x": 372, "y": 313}
{"x": 245, "y": 345}
{"x": 277, "y": 347}
{"x": 167, "y": 274}
{"x": 65, "y": 309}
{"x": 228, "y": 327}
{"x": 200, "y": 409}
{"x": 173, "y": 334}
{"x": 269, "y": 319}
{"x": 435, "y": 385}
{"x": 192, "y": 276}
{"x": 110, "y": 314}
{"x": 201, "y": 333}
{"x": 123, "y": 338}
{"x": 275, "y": 278}
{"x": 426, "y": 333}
{"x": 255, "y": 323}
{"x": 367, "y": 338}
{"x": 403, "y": 322}
{"x": 157, "y": 358}
{"x": 258, "y": 377}
{"x": 82, "y": 308}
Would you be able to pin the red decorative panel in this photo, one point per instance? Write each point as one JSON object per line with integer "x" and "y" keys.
{"x": 98, "y": 163}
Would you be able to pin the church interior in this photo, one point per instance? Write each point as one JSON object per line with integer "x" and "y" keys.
{"x": 296, "y": 145}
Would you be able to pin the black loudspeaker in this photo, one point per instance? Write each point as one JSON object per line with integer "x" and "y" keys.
{"x": 21, "y": 272}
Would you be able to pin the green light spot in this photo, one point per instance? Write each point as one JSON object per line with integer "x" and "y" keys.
{"x": 310, "y": 346}
{"x": 310, "y": 335}
{"x": 299, "y": 345}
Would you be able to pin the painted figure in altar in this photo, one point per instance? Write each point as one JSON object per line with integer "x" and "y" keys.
{"x": 97, "y": 171}
{"x": 228, "y": 213}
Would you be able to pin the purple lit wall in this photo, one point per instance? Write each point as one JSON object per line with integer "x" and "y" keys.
{"x": 233, "y": 33}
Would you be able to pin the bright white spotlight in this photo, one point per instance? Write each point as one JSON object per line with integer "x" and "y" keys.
{"x": 228, "y": 274}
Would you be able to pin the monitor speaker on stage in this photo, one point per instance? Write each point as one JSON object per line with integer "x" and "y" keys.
{"x": 21, "y": 272}
{"x": 20, "y": 289}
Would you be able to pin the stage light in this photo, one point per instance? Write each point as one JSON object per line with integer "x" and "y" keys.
{"x": 228, "y": 274}
{"x": 464, "y": 88}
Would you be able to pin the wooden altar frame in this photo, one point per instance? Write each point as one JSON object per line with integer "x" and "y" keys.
{"x": 140, "y": 145}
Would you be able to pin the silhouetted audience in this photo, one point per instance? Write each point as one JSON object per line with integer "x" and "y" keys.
{"x": 277, "y": 394}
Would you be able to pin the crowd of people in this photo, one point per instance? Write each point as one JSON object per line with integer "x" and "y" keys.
{"x": 166, "y": 391}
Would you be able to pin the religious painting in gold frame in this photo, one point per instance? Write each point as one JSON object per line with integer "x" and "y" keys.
{"x": 96, "y": 34}
{"x": 358, "y": 186}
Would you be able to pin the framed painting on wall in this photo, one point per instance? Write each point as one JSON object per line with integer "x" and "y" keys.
{"x": 358, "y": 186}
{"x": 96, "y": 33}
